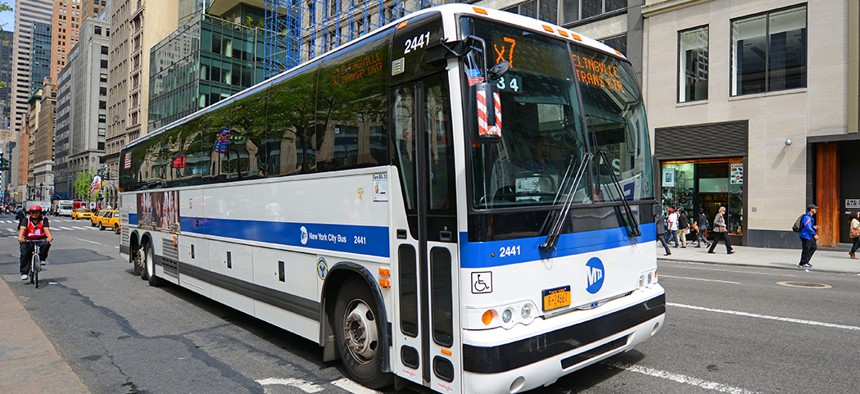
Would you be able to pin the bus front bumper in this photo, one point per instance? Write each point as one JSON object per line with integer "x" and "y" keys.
{"x": 542, "y": 359}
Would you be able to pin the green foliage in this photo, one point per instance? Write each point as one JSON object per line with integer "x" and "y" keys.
{"x": 83, "y": 180}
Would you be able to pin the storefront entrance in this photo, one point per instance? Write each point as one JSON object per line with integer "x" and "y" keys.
{"x": 706, "y": 185}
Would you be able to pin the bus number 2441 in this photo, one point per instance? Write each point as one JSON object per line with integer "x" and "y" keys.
{"x": 507, "y": 251}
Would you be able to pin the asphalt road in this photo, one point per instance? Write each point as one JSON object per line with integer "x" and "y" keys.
{"x": 729, "y": 329}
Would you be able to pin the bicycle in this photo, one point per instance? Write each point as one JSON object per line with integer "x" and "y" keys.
{"x": 35, "y": 261}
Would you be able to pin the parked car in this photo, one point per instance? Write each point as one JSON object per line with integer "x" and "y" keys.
{"x": 109, "y": 219}
{"x": 81, "y": 213}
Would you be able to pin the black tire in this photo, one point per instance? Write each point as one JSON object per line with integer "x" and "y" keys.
{"x": 34, "y": 271}
{"x": 149, "y": 269}
{"x": 136, "y": 258}
{"x": 355, "y": 310}
{"x": 147, "y": 257}
{"x": 116, "y": 228}
{"x": 92, "y": 223}
{"x": 101, "y": 227}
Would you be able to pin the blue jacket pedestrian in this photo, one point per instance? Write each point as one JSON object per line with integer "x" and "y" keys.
{"x": 808, "y": 236}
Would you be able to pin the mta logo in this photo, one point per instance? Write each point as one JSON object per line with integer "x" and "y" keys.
{"x": 595, "y": 275}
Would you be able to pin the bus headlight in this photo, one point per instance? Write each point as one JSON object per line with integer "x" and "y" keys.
{"x": 505, "y": 316}
{"x": 648, "y": 278}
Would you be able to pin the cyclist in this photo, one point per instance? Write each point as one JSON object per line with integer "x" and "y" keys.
{"x": 33, "y": 227}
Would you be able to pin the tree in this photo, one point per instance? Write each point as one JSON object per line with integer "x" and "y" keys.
{"x": 83, "y": 188}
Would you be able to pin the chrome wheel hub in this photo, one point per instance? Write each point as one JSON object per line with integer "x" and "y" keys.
{"x": 359, "y": 329}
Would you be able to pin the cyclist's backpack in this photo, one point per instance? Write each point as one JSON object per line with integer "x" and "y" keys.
{"x": 796, "y": 227}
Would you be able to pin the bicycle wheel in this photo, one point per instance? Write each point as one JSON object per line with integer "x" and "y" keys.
{"x": 34, "y": 262}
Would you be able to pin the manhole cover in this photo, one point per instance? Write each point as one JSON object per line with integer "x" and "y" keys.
{"x": 807, "y": 285}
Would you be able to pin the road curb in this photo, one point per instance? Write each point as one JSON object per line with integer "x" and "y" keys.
{"x": 29, "y": 363}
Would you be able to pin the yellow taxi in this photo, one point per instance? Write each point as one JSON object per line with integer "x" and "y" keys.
{"x": 96, "y": 217}
{"x": 81, "y": 213}
{"x": 109, "y": 219}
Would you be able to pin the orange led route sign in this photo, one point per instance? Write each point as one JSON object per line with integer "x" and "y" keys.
{"x": 597, "y": 73}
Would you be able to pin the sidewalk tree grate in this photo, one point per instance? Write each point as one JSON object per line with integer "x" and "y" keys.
{"x": 807, "y": 285}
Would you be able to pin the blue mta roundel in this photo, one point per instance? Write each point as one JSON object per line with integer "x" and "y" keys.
{"x": 594, "y": 276}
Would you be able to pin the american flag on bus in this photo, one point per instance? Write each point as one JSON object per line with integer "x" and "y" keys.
{"x": 474, "y": 76}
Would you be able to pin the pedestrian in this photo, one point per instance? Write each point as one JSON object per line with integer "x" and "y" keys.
{"x": 660, "y": 222}
{"x": 854, "y": 233}
{"x": 720, "y": 232}
{"x": 683, "y": 227}
{"x": 702, "y": 232}
{"x": 808, "y": 236}
{"x": 672, "y": 226}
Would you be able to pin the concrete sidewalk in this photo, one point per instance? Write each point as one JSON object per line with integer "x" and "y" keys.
{"x": 28, "y": 361}
{"x": 836, "y": 261}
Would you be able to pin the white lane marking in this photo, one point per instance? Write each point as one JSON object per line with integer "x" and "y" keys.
{"x": 300, "y": 384}
{"x": 705, "y": 384}
{"x": 85, "y": 240}
{"x": 703, "y": 280}
{"x": 80, "y": 228}
{"x": 680, "y": 265}
{"x": 11, "y": 230}
{"x": 353, "y": 387}
{"x": 767, "y": 317}
{"x": 65, "y": 228}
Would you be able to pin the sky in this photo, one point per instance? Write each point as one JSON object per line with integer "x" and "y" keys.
{"x": 7, "y": 19}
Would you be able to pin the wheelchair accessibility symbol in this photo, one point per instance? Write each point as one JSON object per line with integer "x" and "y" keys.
{"x": 482, "y": 282}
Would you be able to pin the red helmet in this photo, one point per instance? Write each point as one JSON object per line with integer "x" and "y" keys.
{"x": 37, "y": 208}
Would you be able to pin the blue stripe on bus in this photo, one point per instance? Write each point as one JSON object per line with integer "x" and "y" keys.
{"x": 368, "y": 240}
{"x": 132, "y": 218}
{"x": 498, "y": 253}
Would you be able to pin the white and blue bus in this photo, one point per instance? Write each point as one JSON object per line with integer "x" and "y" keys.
{"x": 462, "y": 200}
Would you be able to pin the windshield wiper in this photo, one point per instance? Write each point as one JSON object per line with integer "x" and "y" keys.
{"x": 555, "y": 230}
{"x": 630, "y": 220}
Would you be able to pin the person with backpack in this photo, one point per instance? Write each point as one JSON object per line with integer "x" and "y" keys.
{"x": 808, "y": 236}
{"x": 702, "y": 232}
{"x": 721, "y": 232}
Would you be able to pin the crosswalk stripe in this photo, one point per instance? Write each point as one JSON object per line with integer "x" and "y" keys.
{"x": 11, "y": 230}
{"x": 66, "y": 228}
{"x": 81, "y": 228}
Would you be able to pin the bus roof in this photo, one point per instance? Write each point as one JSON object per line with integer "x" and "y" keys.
{"x": 525, "y": 22}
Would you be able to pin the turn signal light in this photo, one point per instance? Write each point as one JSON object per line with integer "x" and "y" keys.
{"x": 384, "y": 283}
{"x": 480, "y": 10}
{"x": 487, "y": 317}
{"x": 384, "y": 272}
{"x": 447, "y": 352}
{"x": 402, "y": 24}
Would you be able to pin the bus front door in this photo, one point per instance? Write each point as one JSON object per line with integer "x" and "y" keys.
{"x": 427, "y": 343}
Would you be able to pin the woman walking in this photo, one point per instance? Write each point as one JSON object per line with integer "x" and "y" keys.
{"x": 854, "y": 233}
{"x": 720, "y": 232}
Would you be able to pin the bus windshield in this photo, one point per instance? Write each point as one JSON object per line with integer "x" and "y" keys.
{"x": 559, "y": 101}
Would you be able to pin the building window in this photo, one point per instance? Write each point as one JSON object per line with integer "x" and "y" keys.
{"x": 97, "y": 30}
{"x": 545, "y": 10}
{"x": 693, "y": 64}
{"x": 618, "y": 43}
{"x": 575, "y": 10}
{"x": 769, "y": 52}
{"x": 104, "y": 50}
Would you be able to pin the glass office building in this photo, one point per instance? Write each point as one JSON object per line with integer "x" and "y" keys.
{"x": 206, "y": 60}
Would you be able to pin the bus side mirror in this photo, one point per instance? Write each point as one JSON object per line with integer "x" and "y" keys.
{"x": 488, "y": 107}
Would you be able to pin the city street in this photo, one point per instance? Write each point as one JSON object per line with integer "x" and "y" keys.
{"x": 728, "y": 329}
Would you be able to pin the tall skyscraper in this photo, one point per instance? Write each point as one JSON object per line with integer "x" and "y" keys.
{"x": 27, "y": 12}
{"x": 135, "y": 27}
{"x": 6, "y": 38}
{"x": 67, "y": 20}
{"x": 82, "y": 106}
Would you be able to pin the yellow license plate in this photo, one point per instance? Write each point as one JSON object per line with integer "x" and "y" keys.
{"x": 556, "y": 298}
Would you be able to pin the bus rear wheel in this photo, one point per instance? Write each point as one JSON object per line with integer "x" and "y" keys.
{"x": 137, "y": 260}
{"x": 357, "y": 331}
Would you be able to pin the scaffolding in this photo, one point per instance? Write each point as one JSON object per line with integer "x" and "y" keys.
{"x": 299, "y": 30}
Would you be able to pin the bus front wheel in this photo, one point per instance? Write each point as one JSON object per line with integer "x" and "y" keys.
{"x": 357, "y": 329}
